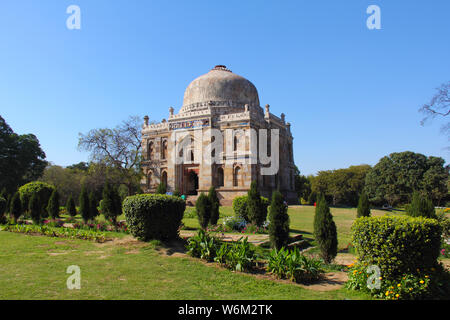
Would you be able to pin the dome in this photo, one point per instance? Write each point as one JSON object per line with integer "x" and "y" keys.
{"x": 220, "y": 85}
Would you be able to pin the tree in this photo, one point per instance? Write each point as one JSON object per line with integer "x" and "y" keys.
{"x": 439, "y": 106}
{"x": 53, "y": 205}
{"x": 325, "y": 231}
{"x": 395, "y": 177}
{"x": 35, "y": 209}
{"x": 111, "y": 205}
{"x": 255, "y": 209}
{"x": 93, "y": 210}
{"x": 119, "y": 148}
{"x": 363, "y": 206}
{"x": 22, "y": 158}
{"x": 203, "y": 208}
{"x": 2, "y": 209}
{"x": 302, "y": 187}
{"x": 215, "y": 205}
{"x": 70, "y": 207}
{"x": 16, "y": 207}
{"x": 421, "y": 206}
{"x": 278, "y": 221}
{"x": 84, "y": 205}
{"x": 161, "y": 189}
{"x": 341, "y": 186}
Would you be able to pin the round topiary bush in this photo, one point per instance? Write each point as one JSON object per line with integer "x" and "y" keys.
{"x": 153, "y": 216}
{"x": 240, "y": 206}
{"x": 42, "y": 190}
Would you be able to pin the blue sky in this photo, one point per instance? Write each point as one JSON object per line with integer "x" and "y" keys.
{"x": 351, "y": 93}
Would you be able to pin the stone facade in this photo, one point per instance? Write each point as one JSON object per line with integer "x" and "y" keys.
{"x": 220, "y": 109}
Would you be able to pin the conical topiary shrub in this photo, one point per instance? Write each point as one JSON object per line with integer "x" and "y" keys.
{"x": 363, "y": 206}
{"x": 203, "y": 209}
{"x": 278, "y": 222}
{"x": 215, "y": 206}
{"x": 53, "y": 205}
{"x": 70, "y": 207}
{"x": 421, "y": 206}
{"x": 325, "y": 231}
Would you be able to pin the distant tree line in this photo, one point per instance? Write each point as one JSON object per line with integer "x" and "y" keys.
{"x": 393, "y": 180}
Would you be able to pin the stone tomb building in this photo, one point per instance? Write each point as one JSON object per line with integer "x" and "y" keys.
{"x": 175, "y": 151}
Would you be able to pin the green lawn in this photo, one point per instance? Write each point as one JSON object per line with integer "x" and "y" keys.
{"x": 34, "y": 267}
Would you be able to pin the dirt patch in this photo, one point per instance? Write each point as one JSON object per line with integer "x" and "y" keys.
{"x": 127, "y": 241}
{"x": 332, "y": 281}
{"x": 134, "y": 251}
{"x": 56, "y": 253}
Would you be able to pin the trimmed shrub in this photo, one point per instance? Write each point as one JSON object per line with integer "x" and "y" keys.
{"x": 43, "y": 192}
{"x": 16, "y": 207}
{"x": 397, "y": 245}
{"x": 2, "y": 206}
{"x": 151, "y": 216}
{"x": 278, "y": 221}
{"x": 161, "y": 189}
{"x": 85, "y": 210}
{"x": 421, "y": 206}
{"x": 363, "y": 206}
{"x": 176, "y": 193}
{"x": 203, "y": 209}
{"x": 70, "y": 207}
{"x": 111, "y": 204}
{"x": 256, "y": 212}
{"x": 93, "y": 210}
{"x": 215, "y": 205}
{"x": 53, "y": 205}
{"x": 34, "y": 209}
{"x": 240, "y": 207}
{"x": 325, "y": 231}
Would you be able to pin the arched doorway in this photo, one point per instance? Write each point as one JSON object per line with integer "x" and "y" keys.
{"x": 220, "y": 177}
{"x": 164, "y": 178}
{"x": 192, "y": 183}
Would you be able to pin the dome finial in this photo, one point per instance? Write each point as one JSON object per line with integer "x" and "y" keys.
{"x": 221, "y": 67}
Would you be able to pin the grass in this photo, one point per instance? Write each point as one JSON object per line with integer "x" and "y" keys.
{"x": 34, "y": 267}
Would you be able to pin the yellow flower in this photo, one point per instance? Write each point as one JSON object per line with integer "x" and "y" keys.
{"x": 421, "y": 281}
{"x": 410, "y": 289}
{"x": 387, "y": 293}
{"x": 397, "y": 295}
{"x": 426, "y": 276}
{"x": 381, "y": 278}
{"x": 399, "y": 285}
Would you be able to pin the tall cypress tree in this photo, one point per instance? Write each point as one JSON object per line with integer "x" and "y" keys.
{"x": 363, "y": 206}
{"x": 84, "y": 204}
{"x": 203, "y": 208}
{"x": 111, "y": 203}
{"x": 421, "y": 206}
{"x": 256, "y": 213}
{"x": 215, "y": 205}
{"x": 16, "y": 207}
{"x": 53, "y": 205}
{"x": 93, "y": 210}
{"x": 279, "y": 221}
{"x": 325, "y": 231}
{"x": 35, "y": 209}
{"x": 70, "y": 207}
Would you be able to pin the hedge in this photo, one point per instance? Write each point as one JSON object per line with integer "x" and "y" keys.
{"x": 153, "y": 216}
{"x": 43, "y": 192}
{"x": 397, "y": 245}
{"x": 240, "y": 206}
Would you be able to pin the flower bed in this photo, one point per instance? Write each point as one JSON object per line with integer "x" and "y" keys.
{"x": 60, "y": 232}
